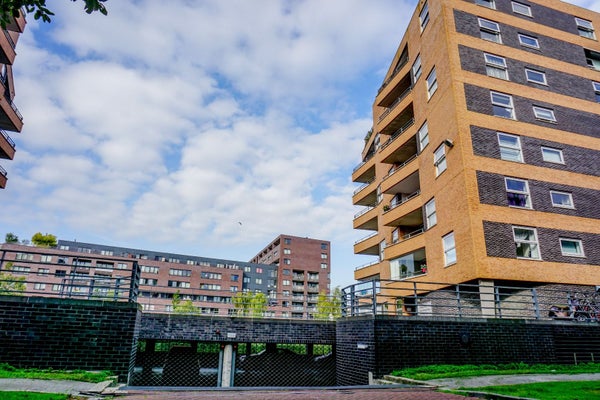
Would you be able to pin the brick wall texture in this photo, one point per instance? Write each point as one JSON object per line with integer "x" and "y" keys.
{"x": 355, "y": 350}
{"x": 38, "y": 332}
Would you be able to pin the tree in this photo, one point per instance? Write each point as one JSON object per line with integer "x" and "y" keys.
{"x": 47, "y": 240}
{"x": 249, "y": 304}
{"x": 11, "y": 238}
{"x": 9, "y": 9}
{"x": 329, "y": 307}
{"x": 183, "y": 307}
{"x": 9, "y": 284}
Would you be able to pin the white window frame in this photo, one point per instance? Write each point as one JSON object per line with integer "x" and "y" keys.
{"x": 544, "y": 114}
{"x": 490, "y": 27}
{"x": 524, "y": 192}
{"x": 494, "y": 63}
{"x": 578, "y": 245}
{"x": 533, "y": 243}
{"x": 506, "y": 105}
{"x": 536, "y": 76}
{"x": 567, "y": 195}
{"x": 536, "y": 42}
{"x": 432, "y": 84}
{"x": 439, "y": 159}
{"x": 558, "y": 152}
{"x": 596, "y": 86}
{"x": 486, "y": 3}
{"x": 509, "y": 147}
{"x": 417, "y": 68}
{"x": 585, "y": 28}
{"x": 430, "y": 214}
{"x": 424, "y": 16}
{"x": 423, "y": 136}
{"x": 449, "y": 245}
{"x": 520, "y": 8}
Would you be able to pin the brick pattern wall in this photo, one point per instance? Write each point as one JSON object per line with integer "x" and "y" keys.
{"x": 215, "y": 329}
{"x": 557, "y": 49}
{"x": 577, "y": 159}
{"x": 353, "y": 364}
{"x": 499, "y": 242}
{"x": 557, "y": 82}
{"x": 67, "y": 334}
{"x": 568, "y": 119}
{"x": 492, "y": 191}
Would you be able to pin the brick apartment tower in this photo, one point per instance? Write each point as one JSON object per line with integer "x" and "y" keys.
{"x": 10, "y": 118}
{"x": 483, "y": 163}
{"x": 303, "y": 270}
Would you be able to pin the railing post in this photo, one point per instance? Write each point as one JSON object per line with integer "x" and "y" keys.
{"x": 497, "y": 299}
{"x": 459, "y": 305}
{"x": 374, "y": 288}
{"x": 352, "y": 300}
{"x": 416, "y": 312}
{"x": 536, "y": 305}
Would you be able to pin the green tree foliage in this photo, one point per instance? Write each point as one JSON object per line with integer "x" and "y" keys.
{"x": 10, "y": 284}
{"x": 329, "y": 306}
{"x": 11, "y": 238}
{"x": 9, "y": 9}
{"x": 47, "y": 240}
{"x": 249, "y": 304}
{"x": 183, "y": 306}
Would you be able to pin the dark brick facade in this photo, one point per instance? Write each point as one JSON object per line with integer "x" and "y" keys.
{"x": 568, "y": 119}
{"x": 355, "y": 350}
{"x": 67, "y": 334}
{"x": 492, "y": 191}
{"x": 557, "y": 82}
{"x": 499, "y": 242}
{"x": 577, "y": 159}
{"x": 549, "y": 47}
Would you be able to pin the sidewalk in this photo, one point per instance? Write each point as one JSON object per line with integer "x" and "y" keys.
{"x": 51, "y": 386}
{"x": 494, "y": 380}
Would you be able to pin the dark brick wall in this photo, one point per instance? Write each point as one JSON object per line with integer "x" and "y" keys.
{"x": 557, "y": 82}
{"x": 499, "y": 242}
{"x": 577, "y": 159}
{"x": 568, "y": 119}
{"x": 353, "y": 364}
{"x": 492, "y": 190}
{"x": 216, "y": 329}
{"x": 549, "y": 47}
{"x": 67, "y": 334}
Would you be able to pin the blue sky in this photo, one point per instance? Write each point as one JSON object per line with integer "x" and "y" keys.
{"x": 166, "y": 124}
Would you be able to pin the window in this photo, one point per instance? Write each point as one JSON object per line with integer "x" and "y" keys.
{"x": 545, "y": 114}
{"x": 23, "y": 256}
{"x": 529, "y": 41}
{"x": 521, "y": 9}
{"x": 46, "y": 259}
{"x": 431, "y": 83}
{"x": 486, "y": 3}
{"x": 246, "y": 279}
{"x": 258, "y": 281}
{"x": 259, "y": 270}
{"x": 502, "y": 105}
{"x": 106, "y": 252}
{"x": 287, "y": 251}
{"x": 423, "y": 136}
{"x": 235, "y": 278}
{"x": 561, "y": 199}
{"x": 495, "y": 66}
{"x": 517, "y": 193}
{"x": 416, "y": 69}
{"x": 449, "y": 249}
{"x": 180, "y": 272}
{"x": 287, "y": 241}
{"x": 535, "y": 76}
{"x": 287, "y": 261}
{"x": 56, "y": 288}
{"x": 324, "y": 256}
{"x": 323, "y": 265}
{"x": 247, "y": 269}
{"x": 210, "y": 275}
{"x": 43, "y": 271}
{"x": 285, "y": 282}
{"x": 585, "y": 28}
{"x": 439, "y": 159}
{"x": 571, "y": 247}
{"x": 60, "y": 273}
{"x": 324, "y": 246}
{"x": 39, "y": 286}
{"x": 149, "y": 270}
{"x": 18, "y": 268}
{"x": 179, "y": 284}
{"x": 526, "y": 242}
{"x": 592, "y": 58}
{"x": 510, "y": 147}
{"x": 210, "y": 286}
{"x": 552, "y": 155}
{"x": 489, "y": 30}
{"x": 596, "y": 86}
{"x": 424, "y": 16}
{"x": 122, "y": 266}
{"x": 430, "y": 215}
{"x": 150, "y": 282}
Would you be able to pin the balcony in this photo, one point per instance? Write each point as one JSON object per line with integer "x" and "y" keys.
{"x": 313, "y": 289}
{"x": 10, "y": 117}
{"x": 7, "y": 146}
{"x": 365, "y": 194}
{"x": 365, "y": 170}
{"x": 313, "y": 277}
{"x": 368, "y": 271}
{"x": 7, "y": 48}
{"x": 402, "y": 62}
{"x": 17, "y": 24}
{"x": 299, "y": 277}
{"x": 3, "y": 175}
{"x": 298, "y": 297}
{"x": 406, "y": 212}
{"x": 368, "y": 245}
{"x": 409, "y": 265}
{"x": 398, "y": 149}
{"x": 366, "y": 218}
{"x": 405, "y": 91}
{"x": 396, "y": 122}
{"x": 298, "y": 288}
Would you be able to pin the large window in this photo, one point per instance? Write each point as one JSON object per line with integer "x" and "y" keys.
{"x": 510, "y": 147}
{"x": 517, "y": 193}
{"x": 535, "y": 76}
{"x": 585, "y": 28}
{"x": 544, "y": 114}
{"x": 561, "y": 199}
{"x": 495, "y": 66}
{"x": 486, "y": 3}
{"x": 521, "y": 8}
{"x": 424, "y": 16}
{"x": 416, "y": 68}
{"x": 439, "y": 159}
{"x": 592, "y": 58}
{"x": 526, "y": 242}
{"x": 431, "y": 83}
{"x": 529, "y": 41}
{"x": 571, "y": 247}
{"x": 423, "y": 136}
{"x": 449, "y": 249}
{"x": 502, "y": 105}
{"x": 489, "y": 30}
{"x": 596, "y": 86}
{"x": 552, "y": 155}
{"x": 430, "y": 214}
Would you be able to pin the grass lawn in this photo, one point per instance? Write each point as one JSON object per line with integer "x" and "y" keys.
{"x": 462, "y": 371}
{"x": 7, "y": 371}
{"x": 549, "y": 390}
{"x": 32, "y": 396}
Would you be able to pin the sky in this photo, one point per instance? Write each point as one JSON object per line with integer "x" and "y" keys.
{"x": 204, "y": 127}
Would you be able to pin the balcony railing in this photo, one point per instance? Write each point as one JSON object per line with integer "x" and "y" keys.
{"x": 298, "y": 277}
{"x": 367, "y": 265}
{"x": 8, "y": 139}
{"x": 10, "y": 39}
{"x": 404, "y": 200}
{"x": 407, "y": 236}
{"x": 401, "y": 64}
{"x": 9, "y": 100}
{"x": 399, "y": 167}
{"x": 395, "y": 103}
{"x": 369, "y": 236}
{"x": 361, "y": 187}
{"x": 398, "y": 132}
{"x": 366, "y": 159}
{"x": 3, "y": 171}
{"x": 365, "y": 210}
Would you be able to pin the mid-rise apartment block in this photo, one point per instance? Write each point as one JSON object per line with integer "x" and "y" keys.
{"x": 483, "y": 162}
{"x": 10, "y": 117}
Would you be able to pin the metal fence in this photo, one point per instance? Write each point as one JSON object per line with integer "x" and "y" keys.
{"x": 410, "y": 298}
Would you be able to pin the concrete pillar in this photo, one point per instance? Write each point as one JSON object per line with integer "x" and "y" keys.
{"x": 310, "y": 349}
{"x": 248, "y": 349}
{"x": 487, "y": 298}
{"x": 228, "y": 365}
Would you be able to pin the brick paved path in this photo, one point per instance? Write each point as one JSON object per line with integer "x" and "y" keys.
{"x": 299, "y": 394}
